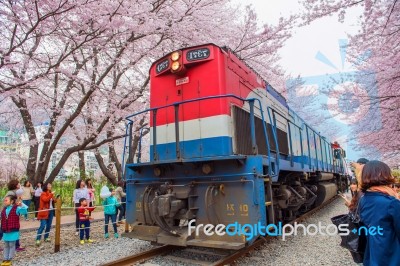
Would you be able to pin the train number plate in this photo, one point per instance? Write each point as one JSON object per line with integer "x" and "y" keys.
{"x": 198, "y": 54}
{"x": 182, "y": 81}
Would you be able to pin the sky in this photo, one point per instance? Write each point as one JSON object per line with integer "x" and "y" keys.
{"x": 314, "y": 52}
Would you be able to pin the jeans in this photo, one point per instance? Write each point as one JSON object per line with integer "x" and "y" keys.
{"x": 45, "y": 224}
{"x": 121, "y": 210}
{"x": 84, "y": 228}
{"x": 27, "y": 203}
{"x": 36, "y": 200}
{"x": 113, "y": 218}
{"x": 9, "y": 250}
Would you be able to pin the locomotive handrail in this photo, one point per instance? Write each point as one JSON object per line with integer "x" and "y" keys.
{"x": 266, "y": 137}
{"x": 139, "y": 156}
{"x": 176, "y": 105}
{"x": 290, "y": 136}
{"x": 123, "y": 153}
{"x": 185, "y": 101}
{"x": 273, "y": 125}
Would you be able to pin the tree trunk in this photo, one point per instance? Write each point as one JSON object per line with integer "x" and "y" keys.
{"x": 82, "y": 169}
{"x": 110, "y": 176}
{"x": 20, "y": 102}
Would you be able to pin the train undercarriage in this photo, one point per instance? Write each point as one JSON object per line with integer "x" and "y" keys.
{"x": 168, "y": 209}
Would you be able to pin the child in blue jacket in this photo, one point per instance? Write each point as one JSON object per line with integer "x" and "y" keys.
{"x": 10, "y": 226}
{"x": 110, "y": 204}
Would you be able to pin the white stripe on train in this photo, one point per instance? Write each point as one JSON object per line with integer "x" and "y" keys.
{"x": 201, "y": 128}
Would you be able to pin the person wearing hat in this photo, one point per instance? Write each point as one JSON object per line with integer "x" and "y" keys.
{"x": 358, "y": 166}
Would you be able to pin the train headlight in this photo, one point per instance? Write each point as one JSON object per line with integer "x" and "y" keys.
{"x": 175, "y": 66}
{"x": 206, "y": 168}
{"x": 157, "y": 171}
{"x": 175, "y": 56}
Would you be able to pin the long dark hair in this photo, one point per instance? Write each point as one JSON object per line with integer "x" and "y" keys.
{"x": 12, "y": 198}
{"x": 78, "y": 184}
{"x": 89, "y": 181}
{"x": 41, "y": 183}
{"x": 376, "y": 173}
{"x": 44, "y": 187}
{"x": 13, "y": 184}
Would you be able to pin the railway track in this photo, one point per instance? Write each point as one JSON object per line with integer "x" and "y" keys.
{"x": 224, "y": 257}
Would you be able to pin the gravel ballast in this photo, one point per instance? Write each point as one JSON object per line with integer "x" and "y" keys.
{"x": 305, "y": 250}
{"x": 295, "y": 250}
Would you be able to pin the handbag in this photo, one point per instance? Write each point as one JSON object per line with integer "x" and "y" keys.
{"x": 355, "y": 241}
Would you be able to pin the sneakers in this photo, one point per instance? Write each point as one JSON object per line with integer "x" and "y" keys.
{"x": 77, "y": 233}
{"x": 106, "y": 235}
{"x": 47, "y": 240}
{"x": 82, "y": 242}
{"x": 116, "y": 235}
{"x": 6, "y": 263}
{"x": 89, "y": 241}
{"x": 37, "y": 243}
{"x": 20, "y": 249}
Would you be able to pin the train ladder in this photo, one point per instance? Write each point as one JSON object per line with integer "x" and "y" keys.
{"x": 269, "y": 204}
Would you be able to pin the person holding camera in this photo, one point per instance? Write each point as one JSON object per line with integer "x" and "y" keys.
{"x": 46, "y": 213}
{"x": 354, "y": 191}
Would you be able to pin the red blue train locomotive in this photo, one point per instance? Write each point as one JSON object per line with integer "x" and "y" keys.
{"x": 225, "y": 148}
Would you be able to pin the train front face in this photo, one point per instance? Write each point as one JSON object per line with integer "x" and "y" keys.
{"x": 194, "y": 179}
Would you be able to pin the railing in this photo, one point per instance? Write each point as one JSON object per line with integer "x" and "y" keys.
{"x": 57, "y": 232}
{"x": 176, "y": 105}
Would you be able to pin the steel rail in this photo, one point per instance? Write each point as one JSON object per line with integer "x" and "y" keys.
{"x": 231, "y": 258}
{"x": 142, "y": 256}
{"x": 260, "y": 241}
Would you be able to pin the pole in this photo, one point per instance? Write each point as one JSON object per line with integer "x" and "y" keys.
{"x": 126, "y": 226}
{"x": 58, "y": 226}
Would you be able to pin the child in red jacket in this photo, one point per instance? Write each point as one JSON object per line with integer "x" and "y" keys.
{"x": 84, "y": 221}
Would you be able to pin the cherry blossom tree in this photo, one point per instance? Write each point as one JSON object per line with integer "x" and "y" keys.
{"x": 375, "y": 52}
{"x": 76, "y": 69}
{"x": 13, "y": 165}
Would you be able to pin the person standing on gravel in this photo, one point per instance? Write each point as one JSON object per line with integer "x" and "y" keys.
{"x": 354, "y": 189}
{"x": 110, "y": 204}
{"x": 119, "y": 194}
{"x": 380, "y": 212}
{"x": 14, "y": 189}
{"x": 80, "y": 192}
{"x": 91, "y": 191}
{"x": 27, "y": 195}
{"x": 36, "y": 199}
{"x": 358, "y": 168}
{"x": 84, "y": 221}
{"x": 13, "y": 208}
{"x": 46, "y": 213}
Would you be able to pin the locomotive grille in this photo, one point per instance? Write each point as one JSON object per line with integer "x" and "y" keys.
{"x": 241, "y": 123}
